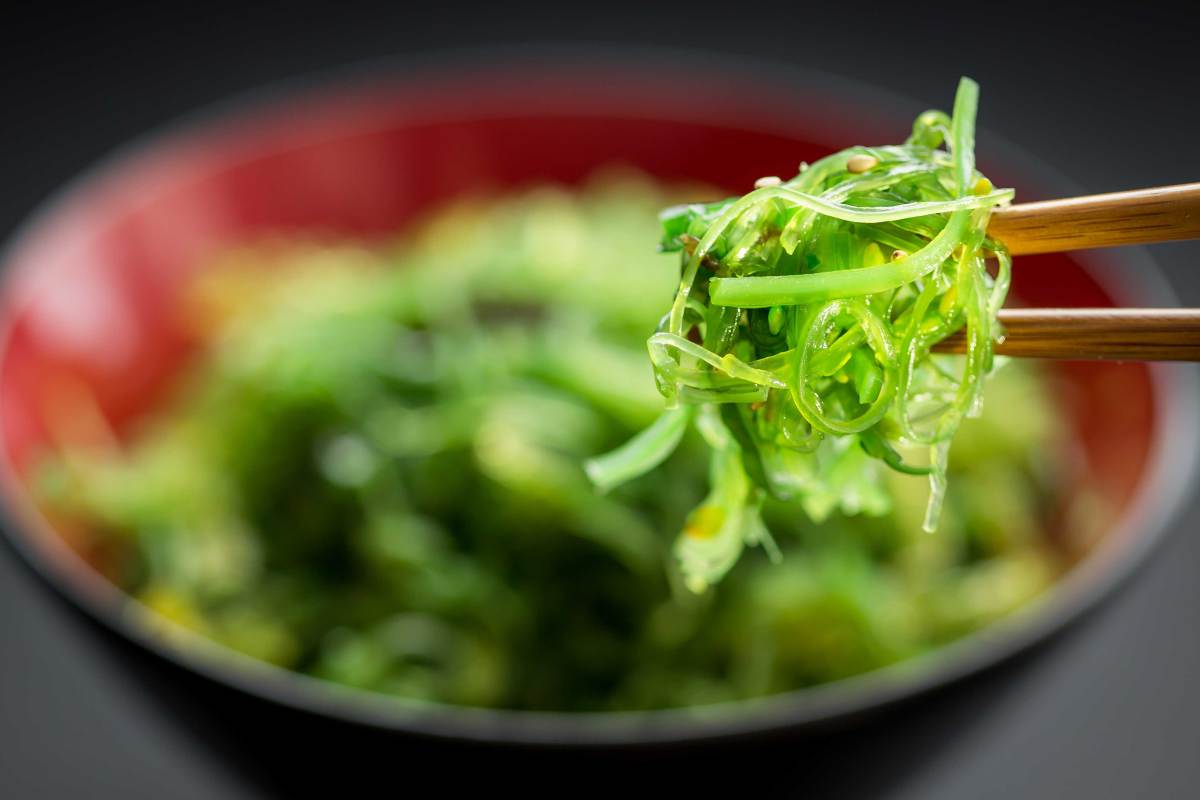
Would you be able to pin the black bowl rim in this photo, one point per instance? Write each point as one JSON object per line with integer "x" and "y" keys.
{"x": 1174, "y": 457}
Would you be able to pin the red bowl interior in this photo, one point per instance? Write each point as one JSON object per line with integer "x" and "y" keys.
{"x": 91, "y": 290}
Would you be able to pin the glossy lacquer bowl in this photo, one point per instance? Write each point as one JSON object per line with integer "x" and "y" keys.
{"x": 88, "y": 303}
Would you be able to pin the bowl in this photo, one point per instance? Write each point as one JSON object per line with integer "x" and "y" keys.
{"x": 90, "y": 286}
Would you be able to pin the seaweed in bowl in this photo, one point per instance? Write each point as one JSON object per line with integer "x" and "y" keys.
{"x": 372, "y": 474}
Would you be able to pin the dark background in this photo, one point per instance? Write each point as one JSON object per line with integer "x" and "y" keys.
{"x": 1106, "y": 94}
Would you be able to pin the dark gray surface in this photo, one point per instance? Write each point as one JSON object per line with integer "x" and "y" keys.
{"x": 74, "y": 723}
{"x": 1111, "y": 710}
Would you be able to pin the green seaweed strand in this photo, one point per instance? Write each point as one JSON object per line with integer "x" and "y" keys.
{"x": 806, "y": 312}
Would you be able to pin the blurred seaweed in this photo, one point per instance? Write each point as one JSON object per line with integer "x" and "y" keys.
{"x": 374, "y": 474}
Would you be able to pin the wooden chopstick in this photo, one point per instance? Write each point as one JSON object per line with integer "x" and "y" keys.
{"x": 1111, "y": 334}
{"x": 1163, "y": 214}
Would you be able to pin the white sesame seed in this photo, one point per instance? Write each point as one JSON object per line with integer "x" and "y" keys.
{"x": 861, "y": 163}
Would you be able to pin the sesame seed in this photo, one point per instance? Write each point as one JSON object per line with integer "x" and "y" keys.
{"x": 861, "y": 163}
{"x": 767, "y": 180}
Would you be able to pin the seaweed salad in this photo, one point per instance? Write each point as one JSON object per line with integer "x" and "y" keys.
{"x": 373, "y": 470}
{"x": 803, "y": 324}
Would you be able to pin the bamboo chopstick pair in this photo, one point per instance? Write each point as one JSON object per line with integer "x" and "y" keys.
{"x": 1168, "y": 213}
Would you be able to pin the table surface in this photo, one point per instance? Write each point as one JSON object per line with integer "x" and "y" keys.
{"x": 1109, "y": 710}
